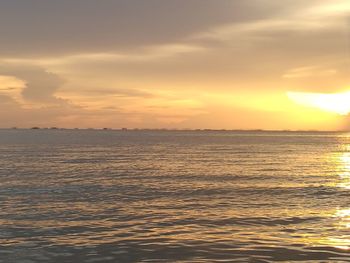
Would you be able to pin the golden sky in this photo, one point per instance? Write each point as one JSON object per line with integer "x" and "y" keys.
{"x": 233, "y": 64}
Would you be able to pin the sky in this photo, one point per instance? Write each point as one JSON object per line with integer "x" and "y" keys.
{"x": 217, "y": 64}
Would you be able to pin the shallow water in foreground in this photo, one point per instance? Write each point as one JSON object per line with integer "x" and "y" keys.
{"x": 145, "y": 196}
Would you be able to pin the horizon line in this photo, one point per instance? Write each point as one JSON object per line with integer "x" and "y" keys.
{"x": 168, "y": 129}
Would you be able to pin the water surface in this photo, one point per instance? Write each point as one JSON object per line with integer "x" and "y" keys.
{"x": 165, "y": 196}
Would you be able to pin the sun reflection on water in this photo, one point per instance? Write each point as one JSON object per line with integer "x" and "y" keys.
{"x": 342, "y": 241}
{"x": 342, "y": 215}
{"x": 344, "y": 170}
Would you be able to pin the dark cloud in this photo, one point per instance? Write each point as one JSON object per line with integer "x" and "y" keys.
{"x": 41, "y": 27}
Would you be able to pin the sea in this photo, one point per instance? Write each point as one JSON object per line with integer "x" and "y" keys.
{"x": 174, "y": 196}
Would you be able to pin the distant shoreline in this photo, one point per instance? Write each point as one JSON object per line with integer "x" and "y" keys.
{"x": 174, "y": 130}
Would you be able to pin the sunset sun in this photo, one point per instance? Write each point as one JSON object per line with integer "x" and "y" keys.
{"x": 333, "y": 102}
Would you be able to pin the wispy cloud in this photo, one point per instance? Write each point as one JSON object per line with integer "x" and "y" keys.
{"x": 313, "y": 71}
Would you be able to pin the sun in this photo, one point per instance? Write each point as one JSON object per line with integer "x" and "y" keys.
{"x": 332, "y": 102}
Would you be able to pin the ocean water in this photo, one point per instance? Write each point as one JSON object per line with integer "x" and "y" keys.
{"x": 174, "y": 196}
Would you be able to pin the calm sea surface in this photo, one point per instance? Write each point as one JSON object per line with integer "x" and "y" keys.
{"x": 174, "y": 196}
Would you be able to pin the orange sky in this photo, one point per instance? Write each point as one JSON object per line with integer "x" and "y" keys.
{"x": 239, "y": 64}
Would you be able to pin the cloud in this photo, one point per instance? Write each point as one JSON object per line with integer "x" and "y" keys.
{"x": 117, "y": 92}
{"x": 141, "y": 55}
{"x": 7, "y": 101}
{"x": 268, "y": 42}
{"x": 108, "y": 25}
{"x": 39, "y": 84}
{"x": 313, "y": 71}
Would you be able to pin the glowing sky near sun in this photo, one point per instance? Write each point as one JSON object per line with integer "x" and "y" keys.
{"x": 239, "y": 64}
